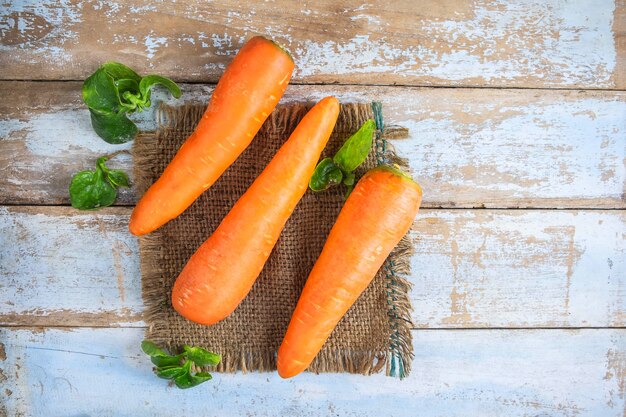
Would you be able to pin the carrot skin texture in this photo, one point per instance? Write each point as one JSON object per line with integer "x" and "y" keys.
{"x": 244, "y": 97}
{"x": 222, "y": 271}
{"x": 376, "y": 215}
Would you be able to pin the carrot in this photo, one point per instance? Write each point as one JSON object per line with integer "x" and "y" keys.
{"x": 377, "y": 214}
{"x": 243, "y": 98}
{"x": 222, "y": 271}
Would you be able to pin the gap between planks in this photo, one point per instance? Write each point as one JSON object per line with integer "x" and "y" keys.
{"x": 424, "y": 206}
{"x": 416, "y": 329}
{"x": 341, "y": 84}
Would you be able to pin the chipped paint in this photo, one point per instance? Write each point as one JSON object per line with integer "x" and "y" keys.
{"x": 502, "y": 148}
{"x": 496, "y": 43}
{"x": 527, "y": 259}
{"x": 537, "y": 268}
{"x": 154, "y": 43}
{"x": 31, "y": 24}
{"x": 481, "y": 47}
{"x": 119, "y": 272}
{"x": 43, "y": 254}
{"x": 61, "y": 131}
{"x": 543, "y": 149}
{"x": 616, "y": 369}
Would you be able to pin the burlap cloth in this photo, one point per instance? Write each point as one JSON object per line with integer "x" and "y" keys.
{"x": 374, "y": 335}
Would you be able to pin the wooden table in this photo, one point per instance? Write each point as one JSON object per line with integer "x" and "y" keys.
{"x": 517, "y": 118}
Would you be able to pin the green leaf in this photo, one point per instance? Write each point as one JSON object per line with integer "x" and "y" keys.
{"x": 95, "y": 189}
{"x": 90, "y": 190}
{"x": 202, "y": 357}
{"x": 168, "y": 367}
{"x": 158, "y": 356}
{"x": 112, "y": 127}
{"x": 118, "y": 178}
{"x": 184, "y": 379}
{"x": 187, "y": 380}
{"x": 100, "y": 93}
{"x": 166, "y": 360}
{"x": 120, "y": 71}
{"x": 151, "y": 349}
{"x": 150, "y": 80}
{"x": 170, "y": 372}
{"x": 326, "y": 174}
{"x": 114, "y": 90}
{"x": 200, "y": 377}
{"x": 355, "y": 150}
{"x": 124, "y": 87}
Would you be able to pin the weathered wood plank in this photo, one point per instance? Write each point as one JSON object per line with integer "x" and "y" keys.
{"x": 534, "y": 43}
{"x": 467, "y": 147}
{"x": 476, "y": 268}
{"x": 456, "y": 373}
{"x": 69, "y": 267}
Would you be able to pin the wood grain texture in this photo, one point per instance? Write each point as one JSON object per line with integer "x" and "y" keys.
{"x": 102, "y": 372}
{"x": 69, "y": 267}
{"x": 471, "y": 268}
{"x": 467, "y": 147}
{"x": 532, "y": 43}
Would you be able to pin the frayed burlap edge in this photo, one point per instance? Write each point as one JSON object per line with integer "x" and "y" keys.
{"x": 396, "y": 360}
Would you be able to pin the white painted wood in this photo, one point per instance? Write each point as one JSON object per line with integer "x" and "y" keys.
{"x": 476, "y": 268}
{"x": 69, "y": 266}
{"x": 533, "y": 43}
{"x": 467, "y": 147}
{"x": 102, "y": 372}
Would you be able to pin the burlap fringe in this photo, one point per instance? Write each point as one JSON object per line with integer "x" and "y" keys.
{"x": 397, "y": 267}
{"x": 396, "y": 360}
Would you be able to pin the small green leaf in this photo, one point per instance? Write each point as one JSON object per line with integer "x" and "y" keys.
{"x": 125, "y": 87}
{"x": 112, "y": 127}
{"x": 118, "y": 178}
{"x": 166, "y": 360}
{"x": 200, "y": 377}
{"x": 100, "y": 93}
{"x": 150, "y": 80}
{"x": 168, "y": 367}
{"x": 95, "y": 189}
{"x": 158, "y": 356}
{"x": 187, "y": 380}
{"x": 170, "y": 372}
{"x": 114, "y": 90}
{"x": 202, "y": 357}
{"x": 151, "y": 349}
{"x": 184, "y": 379}
{"x": 90, "y": 190}
{"x": 326, "y": 174}
{"x": 120, "y": 71}
{"x": 355, "y": 150}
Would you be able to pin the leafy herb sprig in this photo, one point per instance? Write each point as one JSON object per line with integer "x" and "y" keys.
{"x": 169, "y": 366}
{"x": 91, "y": 190}
{"x": 340, "y": 168}
{"x": 113, "y": 92}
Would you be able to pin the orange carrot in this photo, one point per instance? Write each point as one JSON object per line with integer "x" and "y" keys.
{"x": 378, "y": 213}
{"x": 221, "y": 272}
{"x": 244, "y": 97}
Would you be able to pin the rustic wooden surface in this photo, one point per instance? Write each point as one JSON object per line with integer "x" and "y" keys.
{"x": 467, "y": 147}
{"x": 532, "y": 43}
{"x": 515, "y": 110}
